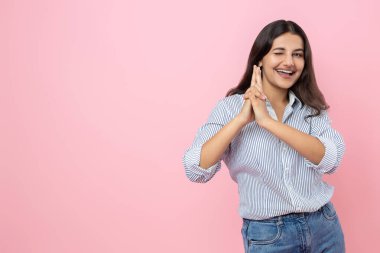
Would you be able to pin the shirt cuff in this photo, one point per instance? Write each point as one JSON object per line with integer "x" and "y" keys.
{"x": 329, "y": 159}
{"x": 196, "y": 173}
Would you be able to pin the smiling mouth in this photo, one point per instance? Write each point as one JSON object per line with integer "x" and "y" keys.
{"x": 284, "y": 72}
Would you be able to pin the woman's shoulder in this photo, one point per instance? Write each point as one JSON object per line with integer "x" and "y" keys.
{"x": 228, "y": 106}
{"x": 232, "y": 103}
{"x": 235, "y": 100}
{"x": 312, "y": 116}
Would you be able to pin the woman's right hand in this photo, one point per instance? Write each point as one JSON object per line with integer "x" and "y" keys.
{"x": 246, "y": 114}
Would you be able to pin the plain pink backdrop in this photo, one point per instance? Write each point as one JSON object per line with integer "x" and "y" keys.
{"x": 100, "y": 99}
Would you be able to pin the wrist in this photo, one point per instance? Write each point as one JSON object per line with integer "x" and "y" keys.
{"x": 240, "y": 120}
{"x": 266, "y": 123}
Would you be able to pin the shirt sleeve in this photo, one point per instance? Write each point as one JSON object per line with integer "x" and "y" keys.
{"x": 331, "y": 140}
{"x": 219, "y": 117}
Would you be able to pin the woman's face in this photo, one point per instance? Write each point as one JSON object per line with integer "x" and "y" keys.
{"x": 283, "y": 64}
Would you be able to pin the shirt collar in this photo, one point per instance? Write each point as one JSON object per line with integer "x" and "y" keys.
{"x": 294, "y": 104}
{"x": 294, "y": 101}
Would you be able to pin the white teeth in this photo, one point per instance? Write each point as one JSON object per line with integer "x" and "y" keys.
{"x": 285, "y": 71}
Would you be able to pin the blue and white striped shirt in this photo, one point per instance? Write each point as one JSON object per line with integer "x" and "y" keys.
{"x": 273, "y": 179}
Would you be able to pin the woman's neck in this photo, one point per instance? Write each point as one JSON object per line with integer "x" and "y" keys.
{"x": 276, "y": 96}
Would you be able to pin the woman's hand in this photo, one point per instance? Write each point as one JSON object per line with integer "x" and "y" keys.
{"x": 256, "y": 97}
{"x": 246, "y": 114}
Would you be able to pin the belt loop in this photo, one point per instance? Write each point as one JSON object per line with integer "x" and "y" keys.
{"x": 279, "y": 221}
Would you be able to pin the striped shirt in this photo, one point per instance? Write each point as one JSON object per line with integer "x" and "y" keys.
{"x": 273, "y": 179}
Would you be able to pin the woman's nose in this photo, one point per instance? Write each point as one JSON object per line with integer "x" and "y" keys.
{"x": 289, "y": 60}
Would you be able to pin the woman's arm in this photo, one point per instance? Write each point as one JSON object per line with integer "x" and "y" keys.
{"x": 308, "y": 146}
{"x": 214, "y": 148}
{"x": 202, "y": 161}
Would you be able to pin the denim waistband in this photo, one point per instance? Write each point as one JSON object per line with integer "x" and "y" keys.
{"x": 290, "y": 216}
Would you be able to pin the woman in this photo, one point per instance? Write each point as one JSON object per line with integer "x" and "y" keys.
{"x": 274, "y": 134}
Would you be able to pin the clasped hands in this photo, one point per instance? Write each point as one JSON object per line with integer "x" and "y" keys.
{"x": 254, "y": 107}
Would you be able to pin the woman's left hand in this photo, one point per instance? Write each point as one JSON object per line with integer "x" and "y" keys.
{"x": 257, "y": 97}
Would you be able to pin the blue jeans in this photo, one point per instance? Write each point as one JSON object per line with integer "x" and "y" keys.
{"x": 315, "y": 232}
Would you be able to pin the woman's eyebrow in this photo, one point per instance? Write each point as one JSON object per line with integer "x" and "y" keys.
{"x": 283, "y": 49}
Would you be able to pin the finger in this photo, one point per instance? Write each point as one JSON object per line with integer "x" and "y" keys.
{"x": 253, "y": 100}
{"x": 247, "y": 102}
{"x": 246, "y": 94}
{"x": 258, "y": 94}
{"x": 258, "y": 88}
{"x": 253, "y": 92}
{"x": 262, "y": 95}
{"x": 258, "y": 78}
{"x": 253, "y": 79}
{"x": 259, "y": 83}
{"x": 252, "y": 96}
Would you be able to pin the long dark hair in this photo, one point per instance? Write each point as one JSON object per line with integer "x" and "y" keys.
{"x": 306, "y": 88}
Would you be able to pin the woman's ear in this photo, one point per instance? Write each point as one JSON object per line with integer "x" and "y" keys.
{"x": 260, "y": 64}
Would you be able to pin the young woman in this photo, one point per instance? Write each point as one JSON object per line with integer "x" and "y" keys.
{"x": 273, "y": 133}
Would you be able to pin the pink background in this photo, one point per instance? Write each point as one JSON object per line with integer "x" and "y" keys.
{"x": 99, "y": 100}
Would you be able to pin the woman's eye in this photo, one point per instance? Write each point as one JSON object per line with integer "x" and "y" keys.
{"x": 278, "y": 53}
{"x": 298, "y": 55}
